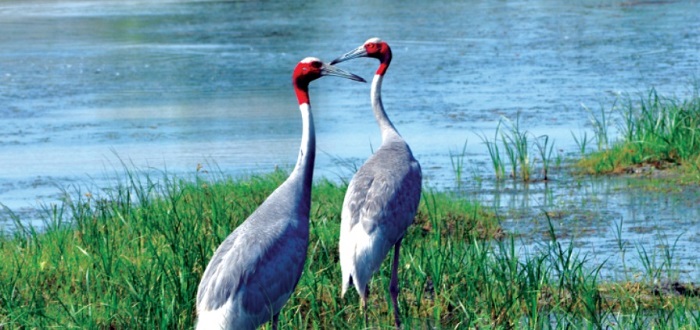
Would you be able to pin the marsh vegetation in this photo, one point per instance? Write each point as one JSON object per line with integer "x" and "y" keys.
{"x": 131, "y": 256}
{"x": 657, "y": 133}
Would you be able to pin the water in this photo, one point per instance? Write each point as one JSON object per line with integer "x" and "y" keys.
{"x": 170, "y": 85}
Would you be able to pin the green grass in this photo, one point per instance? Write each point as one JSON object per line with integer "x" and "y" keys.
{"x": 457, "y": 162}
{"x": 131, "y": 257}
{"x": 517, "y": 149}
{"x": 656, "y": 132}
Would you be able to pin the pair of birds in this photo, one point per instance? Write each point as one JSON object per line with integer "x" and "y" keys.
{"x": 256, "y": 269}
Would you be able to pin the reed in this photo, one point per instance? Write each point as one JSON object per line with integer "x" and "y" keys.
{"x": 516, "y": 145}
{"x": 495, "y": 154}
{"x": 600, "y": 125}
{"x": 656, "y": 132}
{"x": 581, "y": 142}
{"x": 457, "y": 163}
{"x": 545, "y": 151}
{"x": 517, "y": 140}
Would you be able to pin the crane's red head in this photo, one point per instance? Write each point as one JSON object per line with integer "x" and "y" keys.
{"x": 374, "y": 48}
{"x": 310, "y": 69}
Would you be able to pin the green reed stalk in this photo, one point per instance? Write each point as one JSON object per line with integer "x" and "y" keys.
{"x": 457, "y": 162}
{"x": 495, "y": 154}
{"x": 600, "y": 126}
{"x": 545, "y": 150}
{"x": 581, "y": 142}
{"x": 515, "y": 140}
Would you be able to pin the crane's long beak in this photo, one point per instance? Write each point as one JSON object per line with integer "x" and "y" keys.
{"x": 355, "y": 53}
{"x": 330, "y": 70}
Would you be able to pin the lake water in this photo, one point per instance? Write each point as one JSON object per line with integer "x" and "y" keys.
{"x": 169, "y": 85}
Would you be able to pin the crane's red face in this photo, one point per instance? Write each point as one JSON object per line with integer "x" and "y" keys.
{"x": 307, "y": 71}
{"x": 377, "y": 49}
{"x": 374, "y": 48}
{"x": 310, "y": 69}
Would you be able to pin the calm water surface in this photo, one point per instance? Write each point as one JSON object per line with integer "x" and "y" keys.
{"x": 169, "y": 85}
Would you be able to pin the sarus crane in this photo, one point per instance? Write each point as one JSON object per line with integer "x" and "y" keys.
{"x": 254, "y": 271}
{"x": 382, "y": 197}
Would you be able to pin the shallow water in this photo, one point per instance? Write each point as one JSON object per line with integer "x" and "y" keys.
{"x": 613, "y": 221}
{"x": 85, "y": 85}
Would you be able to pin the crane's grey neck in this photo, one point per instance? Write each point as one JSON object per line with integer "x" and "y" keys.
{"x": 307, "y": 151}
{"x": 385, "y": 125}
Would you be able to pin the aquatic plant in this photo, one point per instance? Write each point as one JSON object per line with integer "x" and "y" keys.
{"x": 600, "y": 126}
{"x": 515, "y": 142}
{"x": 516, "y": 146}
{"x": 581, "y": 142}
{"x": 545, "y": 151}
{"x": 457, "y": 162}
{"x": 656, "y": 131}
{"x": 495, "y": 154}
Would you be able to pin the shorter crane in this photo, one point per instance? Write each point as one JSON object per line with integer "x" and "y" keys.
{"x": 382, "y": 198}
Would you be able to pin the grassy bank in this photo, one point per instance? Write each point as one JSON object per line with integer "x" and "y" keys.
{"x": 131, "y": 258}
{"x": 656, "y": 133}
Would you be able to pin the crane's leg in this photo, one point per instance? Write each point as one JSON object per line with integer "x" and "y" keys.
{"x": 275, "y": 319}
{"x": 363, "y": 299}
{"x": 394, "y": 284}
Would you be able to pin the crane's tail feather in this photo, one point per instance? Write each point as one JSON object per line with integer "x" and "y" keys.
{"x": 347, "y": 282}
{"x": 213, "y": 319}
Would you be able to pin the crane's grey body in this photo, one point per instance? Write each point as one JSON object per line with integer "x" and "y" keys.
{"x": 260, "y": 263}
{"x": 379, "y": 206}
{"x": 255, "y": 270}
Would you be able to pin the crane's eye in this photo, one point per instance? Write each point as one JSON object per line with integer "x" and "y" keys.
{"x": 316, "y": 64}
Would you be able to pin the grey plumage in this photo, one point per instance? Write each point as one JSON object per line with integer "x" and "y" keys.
{"x": 255, "y": 270}
{"x": 385, "y": 191}
{"x": 382, "y": 198}
{"x": 262, "y": 260}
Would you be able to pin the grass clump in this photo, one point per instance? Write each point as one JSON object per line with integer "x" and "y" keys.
{"x": 132, "y": 257}
{"x": 514, "y": 152}
{"x": 656, "y": 132}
